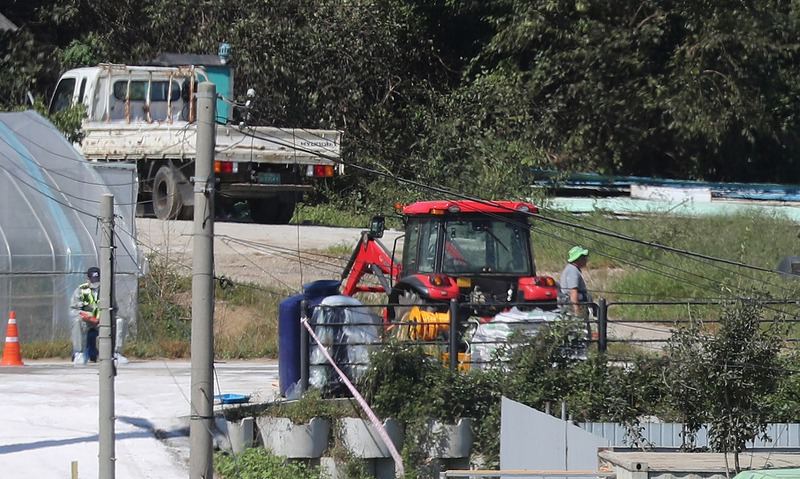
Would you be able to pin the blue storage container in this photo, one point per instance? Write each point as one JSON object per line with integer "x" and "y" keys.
{"x": 289, "y": 329}
{"x": 289, "y": 342}
{"x": 321, "y": 289}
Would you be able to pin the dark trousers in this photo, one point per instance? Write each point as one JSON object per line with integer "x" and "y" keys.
{"x": 91, "y": 351}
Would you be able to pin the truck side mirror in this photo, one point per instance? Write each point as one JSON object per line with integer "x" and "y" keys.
{"x": 376, "y": 227}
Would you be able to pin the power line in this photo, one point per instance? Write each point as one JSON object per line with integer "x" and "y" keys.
{"x": 706, "y": 263}
{"x": 642, "y": 257}
{"x": 60, "y": 202}
{"x": 227, "y": 243}
{"x": 653, "y": 244}
{"x": 446, "y": 191}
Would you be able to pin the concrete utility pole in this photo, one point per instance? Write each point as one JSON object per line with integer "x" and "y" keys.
{"x": 202, "y": 420}
{"x": 105, "y": 341}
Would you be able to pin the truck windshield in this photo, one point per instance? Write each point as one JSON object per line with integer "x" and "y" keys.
{"x": 62, "y": 98}
{"x": 486, "y": 246}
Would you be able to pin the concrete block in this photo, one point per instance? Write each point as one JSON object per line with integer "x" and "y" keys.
{"x": 234, "y": 436}
{"x": 295, "y": 441}
{"x": 362, "y": 440}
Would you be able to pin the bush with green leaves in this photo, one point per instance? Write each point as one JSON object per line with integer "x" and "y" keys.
{"x": 257, "y": 463}
{"x": 726, "y": 378}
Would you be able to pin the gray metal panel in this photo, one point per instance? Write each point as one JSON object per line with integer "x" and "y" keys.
{"x": 121, "y": 179}
{"x": 668, "y": 435}
{"x": 556, "y": 444}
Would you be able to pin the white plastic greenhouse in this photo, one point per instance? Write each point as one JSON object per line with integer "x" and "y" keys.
{"x": 49, "y": 230}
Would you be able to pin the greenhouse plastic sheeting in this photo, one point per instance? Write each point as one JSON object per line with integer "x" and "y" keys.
{"x": 49, "y": 229}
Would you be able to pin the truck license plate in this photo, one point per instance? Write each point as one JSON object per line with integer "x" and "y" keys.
{"x": 269, "y": 178}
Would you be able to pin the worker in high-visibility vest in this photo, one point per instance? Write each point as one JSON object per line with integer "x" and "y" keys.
{"x": 85, "y": 313}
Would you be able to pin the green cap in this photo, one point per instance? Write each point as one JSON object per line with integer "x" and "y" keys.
{"x": 576, "y": 252}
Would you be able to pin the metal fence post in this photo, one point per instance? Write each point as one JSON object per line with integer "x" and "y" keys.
{"x": 453, "y": 334}
{"x": 602, "y": 325}
{"x": 304, "y": 349}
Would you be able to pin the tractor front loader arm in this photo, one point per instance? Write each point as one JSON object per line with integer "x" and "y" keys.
{"x": 370, "y": 256}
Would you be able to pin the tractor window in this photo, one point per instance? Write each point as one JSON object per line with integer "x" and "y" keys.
{"x": 485, "y": 246}
{"x": 428, "y": 238}
{"x": 410, "y": 256}
{"x": 419, "y": 248}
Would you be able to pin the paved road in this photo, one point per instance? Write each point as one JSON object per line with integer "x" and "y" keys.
{"x": 50, "y": 416}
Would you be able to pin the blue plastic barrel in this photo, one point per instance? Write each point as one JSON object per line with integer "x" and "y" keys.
{"x": 289, "y": 329}
{"x": 289, "y": 342}
{"x": 321, "y": 289}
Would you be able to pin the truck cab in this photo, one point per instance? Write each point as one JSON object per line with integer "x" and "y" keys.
{"x": 116, "y": 93}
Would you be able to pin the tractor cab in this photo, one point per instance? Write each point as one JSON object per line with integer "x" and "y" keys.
{"x": 476, "y": 252}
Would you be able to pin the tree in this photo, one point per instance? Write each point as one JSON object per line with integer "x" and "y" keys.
{"x": 688, "y": 360}
{"x": 726, "y": 378}
{"x": 680, "y": 88}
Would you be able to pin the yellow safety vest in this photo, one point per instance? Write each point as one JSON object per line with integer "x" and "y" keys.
{"x": 89, "y": 299}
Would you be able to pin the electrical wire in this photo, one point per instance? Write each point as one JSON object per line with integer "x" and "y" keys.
{"x": 279, "y": 251}
{"x": 652, "y": 244}
{"x": 60, "y": 202}
{"x": 484, "y": 202}
{"x": 712, "y": 264}
{"x": 642, "y": 257}
{"x": 56, "y": 185}
{"x": 228, "y": 244}
{"x": 172, "y": 262}
{"x": 494, "y": 204}
{"x": 80, "y": 159}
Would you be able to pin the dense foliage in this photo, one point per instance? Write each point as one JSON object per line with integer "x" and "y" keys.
{"x": 730, "y": 377}
{"x": 257, "y": 463}
{"x": 471, "y": 94}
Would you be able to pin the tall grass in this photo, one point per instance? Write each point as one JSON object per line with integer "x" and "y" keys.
{"x": 46, "y": 349}
{"x": 327, "y": 214}
{"x": 164, "y": 323}
{"x": 651, "y": 274}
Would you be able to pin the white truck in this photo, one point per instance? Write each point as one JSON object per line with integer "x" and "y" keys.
{"x": 144, "y": 115}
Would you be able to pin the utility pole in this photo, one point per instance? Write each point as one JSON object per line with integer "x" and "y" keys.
{"x": 201, "y": 414}
{"x": 105, "y": 341}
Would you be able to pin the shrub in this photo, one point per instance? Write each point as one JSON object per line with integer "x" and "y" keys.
{"x": 257, "y": 463}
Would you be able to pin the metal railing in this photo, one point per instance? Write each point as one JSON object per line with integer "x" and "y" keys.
{"x": 523, "y": 473}
{"x": 597, "y": 327}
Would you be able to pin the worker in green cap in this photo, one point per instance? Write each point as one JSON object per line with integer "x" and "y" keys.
{"x": 573, "y": 290}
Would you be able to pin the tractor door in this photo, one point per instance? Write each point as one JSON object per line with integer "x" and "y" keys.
{"x": 422, "y": 245}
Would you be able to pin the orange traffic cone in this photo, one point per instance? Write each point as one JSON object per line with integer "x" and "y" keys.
{"x": 11, "y": 352}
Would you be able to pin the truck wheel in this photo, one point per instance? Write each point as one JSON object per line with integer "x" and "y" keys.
{"x": 167, "y": 201}
{"x": 186, "y": 212}
{"x": 285, "y": 212}
{"x": 271, "y": 211}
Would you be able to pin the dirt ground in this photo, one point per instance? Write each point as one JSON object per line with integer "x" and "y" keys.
{"x": 285, "y": 257}
{"x": 262, "y": 254}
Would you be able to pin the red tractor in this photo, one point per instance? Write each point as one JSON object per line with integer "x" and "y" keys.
{"x": 477, "y": 252}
